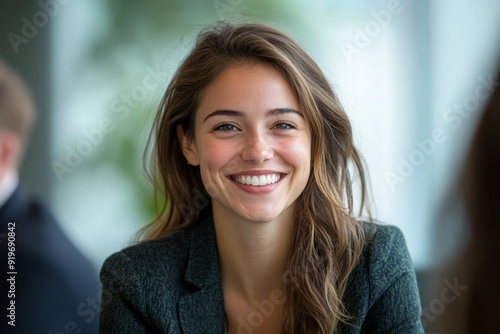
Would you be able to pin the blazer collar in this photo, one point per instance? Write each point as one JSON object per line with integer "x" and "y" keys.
{"x": 203, "y": 310}
{"x": 15, "y": 206}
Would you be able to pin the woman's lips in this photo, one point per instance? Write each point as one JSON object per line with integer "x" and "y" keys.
{"x": 257, "y": 180}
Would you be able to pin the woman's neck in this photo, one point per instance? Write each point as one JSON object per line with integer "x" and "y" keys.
{"x": 253, "y": 255}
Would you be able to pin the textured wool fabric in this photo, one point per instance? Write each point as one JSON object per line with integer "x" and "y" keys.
{"x": 173, "y": 285}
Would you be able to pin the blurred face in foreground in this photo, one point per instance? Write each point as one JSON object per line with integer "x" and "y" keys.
{"x": 252, "y": 144}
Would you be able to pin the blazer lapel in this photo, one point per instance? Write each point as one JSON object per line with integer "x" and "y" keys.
{"x": 203, "y": 311}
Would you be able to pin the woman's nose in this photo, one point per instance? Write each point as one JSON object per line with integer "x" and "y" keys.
{"x": 257, "y": 149}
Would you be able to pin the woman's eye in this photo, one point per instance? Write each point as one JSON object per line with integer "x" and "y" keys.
{"x": 284, "y": 126}
{"x": 226, "y": 127}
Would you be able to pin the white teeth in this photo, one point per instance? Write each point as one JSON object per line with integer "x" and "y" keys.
{"x": 256, "y": 181}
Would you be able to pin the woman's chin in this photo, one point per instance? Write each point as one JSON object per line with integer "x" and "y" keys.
{"x": 261, "y": 216}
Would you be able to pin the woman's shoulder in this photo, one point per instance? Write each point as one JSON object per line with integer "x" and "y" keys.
{"x": 149, "y": 268}
{"x": 383, "y": 236}
{"x": 161, "y": 257}
{"x": 385, "y": 248}
{"x": 165, "y": 256}
{"x": 384, "y": 259}
{"x": 382, "y": 289}
{"x": 154, "y": 249}
{"x": 161, "y": 267}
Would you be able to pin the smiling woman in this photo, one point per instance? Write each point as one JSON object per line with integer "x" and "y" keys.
{"x": 251, "y": 150}
{"x": 246, "y": 132}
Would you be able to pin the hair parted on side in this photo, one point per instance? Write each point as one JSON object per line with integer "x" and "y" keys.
{"x": 327, "y": 239}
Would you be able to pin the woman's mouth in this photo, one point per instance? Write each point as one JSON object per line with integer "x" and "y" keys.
{"x": 256, "y": 180}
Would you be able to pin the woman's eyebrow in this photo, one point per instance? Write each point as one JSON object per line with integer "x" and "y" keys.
{"x": 225, "y": 112}
{"x": 281, "y": 111}
{"x": 236, "y": 113}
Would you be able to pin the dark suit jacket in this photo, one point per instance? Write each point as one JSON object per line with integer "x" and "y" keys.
{"x": 55, "y": 283}
{"x": 173, "y": 285}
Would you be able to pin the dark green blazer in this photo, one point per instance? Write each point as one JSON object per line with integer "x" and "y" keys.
{"x": 173, "y": 285}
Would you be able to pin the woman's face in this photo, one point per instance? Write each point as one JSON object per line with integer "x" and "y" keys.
{"x": 252, "y": 144}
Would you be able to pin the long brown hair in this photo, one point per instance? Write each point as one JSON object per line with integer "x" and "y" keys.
{"x": 327, "y": 240}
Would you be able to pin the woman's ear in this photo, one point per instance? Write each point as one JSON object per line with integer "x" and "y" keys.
{"x": 188, "y": 147}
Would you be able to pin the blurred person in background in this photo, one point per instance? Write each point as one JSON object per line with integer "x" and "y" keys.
{"x": 472, "y": 304}
{"x": 53, "y": 281}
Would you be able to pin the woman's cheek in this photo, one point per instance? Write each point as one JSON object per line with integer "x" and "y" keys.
{"x": 215, "y": 163}
{"x": 298, "y": 152}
